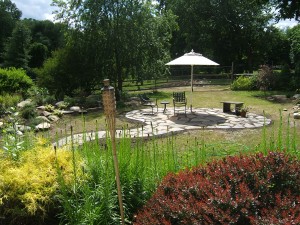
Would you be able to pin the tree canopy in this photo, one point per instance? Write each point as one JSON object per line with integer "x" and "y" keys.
{"x": 118, "y": 38}
{"x": 121, "y": 39}
{"x": 9, "y": 15}
{"x": 288, "y": 9}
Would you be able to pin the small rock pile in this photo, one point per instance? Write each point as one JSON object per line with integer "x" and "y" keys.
{"x": 46, "y": 115}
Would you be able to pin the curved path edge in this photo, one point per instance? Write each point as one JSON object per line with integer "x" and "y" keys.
{"x": 160, "y": 123}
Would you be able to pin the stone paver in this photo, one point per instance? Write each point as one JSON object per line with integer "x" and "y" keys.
{"x": 161, "y": 124}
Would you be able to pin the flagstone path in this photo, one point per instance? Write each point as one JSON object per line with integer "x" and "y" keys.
{"x": 162, "y": 124}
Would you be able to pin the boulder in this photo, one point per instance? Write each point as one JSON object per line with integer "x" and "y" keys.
{"x": 19, "y": 133}
{"x": 43, "y": 126}
{"x": 75, "y": 108}
{"x": 53, "y": 118}
{"x": 296, "y": 115}
{"x": 23, "y": 128}
{"x": 296, "y": 96}
{"x": 46, "y": 113}
{"x": 41, "y": 108}
{"x": 1, "y": 124}
{"x": 23, "y": 103}
{"x": 67, "y": 112}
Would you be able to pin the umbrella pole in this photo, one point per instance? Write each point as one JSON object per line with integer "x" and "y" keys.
{"x": 192, "y": 88}
{"x": 192, "y": 72}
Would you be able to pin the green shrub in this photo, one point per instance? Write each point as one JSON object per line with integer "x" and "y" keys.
{"x": 243, "y": 83}
{"x": 70, "y": 101}
{"x": 7, "y": 101}
{"x": 49, "y": 108}
{"x": 244, "y": 190}
{"x": 14, "y": 80}
{"x": 92, "y": 101}
{"x": 40, "y": 96}
{"x": 57, "y": 112}
{"x": 28, "y": 111}
{"x": 28, "y": 187}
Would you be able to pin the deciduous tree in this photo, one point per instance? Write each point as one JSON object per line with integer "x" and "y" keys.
{"x": 118, "y": 38}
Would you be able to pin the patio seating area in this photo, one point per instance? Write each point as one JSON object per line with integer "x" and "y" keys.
{"x": 161, "y": 123}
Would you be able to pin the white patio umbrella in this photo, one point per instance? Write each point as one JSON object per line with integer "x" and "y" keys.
{"x": 192, "y": 59}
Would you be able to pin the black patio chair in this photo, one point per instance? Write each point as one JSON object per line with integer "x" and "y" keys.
{"x": 146, "y": 101}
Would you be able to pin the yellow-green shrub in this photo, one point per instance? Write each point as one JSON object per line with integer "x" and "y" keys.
{"x": 28, "y": 187}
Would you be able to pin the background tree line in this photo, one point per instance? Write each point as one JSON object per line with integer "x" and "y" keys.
{"x": 120, "y": 39}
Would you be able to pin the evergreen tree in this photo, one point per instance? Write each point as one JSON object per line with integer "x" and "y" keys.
{"x": 17, "y": 47}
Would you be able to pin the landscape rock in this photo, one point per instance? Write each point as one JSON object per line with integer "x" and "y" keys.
{"x": 296, "y": 96}
{"x": 24, "y": 103}
{"x": 43, "y": 118}
{"x": 19, "y": 133}
{"x": 46, "y": 113}
{"x": 23, "y": 128}
{"x": 1, "y": 124}
{"x": 296, "y": 115}
{"x": 67, "y": 112}
{"x": 75, "y": 108}
{"x": 53, "y": 118}
{"x": 43, "y": 126}
{"x": 41, "y": 108}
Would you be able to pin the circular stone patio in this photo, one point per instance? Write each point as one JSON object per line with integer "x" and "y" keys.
{"x": 161, "y": 124}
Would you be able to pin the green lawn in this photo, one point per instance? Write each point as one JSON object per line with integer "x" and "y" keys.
{"x": 246, "y": 139}
{"x": 210, "y": 96}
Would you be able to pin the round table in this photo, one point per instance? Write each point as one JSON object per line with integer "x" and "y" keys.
{"x": 165, "y": 103}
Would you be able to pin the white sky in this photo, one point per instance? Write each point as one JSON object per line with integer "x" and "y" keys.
{"x": 36, "y": 9}
{"x": 42, "y": 10}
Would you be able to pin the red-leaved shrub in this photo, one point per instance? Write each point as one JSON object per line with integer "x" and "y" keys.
{"x": 254, "y": 189}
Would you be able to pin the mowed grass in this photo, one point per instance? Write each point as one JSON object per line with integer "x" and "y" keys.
{"x": 218, "y": 142}
{"x": 242, "y": 140}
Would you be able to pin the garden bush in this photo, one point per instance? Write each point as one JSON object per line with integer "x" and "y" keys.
{"x": 243, "y": 83}
{"x": 28, "y": 111}
{"x": 29, "y": 186}
{"x": 254, "y": 189}
{"x": 14, "y": 80}
{"x": 7, "y": 101}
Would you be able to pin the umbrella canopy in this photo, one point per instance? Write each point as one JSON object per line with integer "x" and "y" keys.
{"x": 192, "y": 59}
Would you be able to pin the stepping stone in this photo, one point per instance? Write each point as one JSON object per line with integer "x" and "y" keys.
{"x": 43, "y": 126}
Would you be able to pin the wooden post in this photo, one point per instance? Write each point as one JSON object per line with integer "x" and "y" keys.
{"x": 109, "y": 103}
